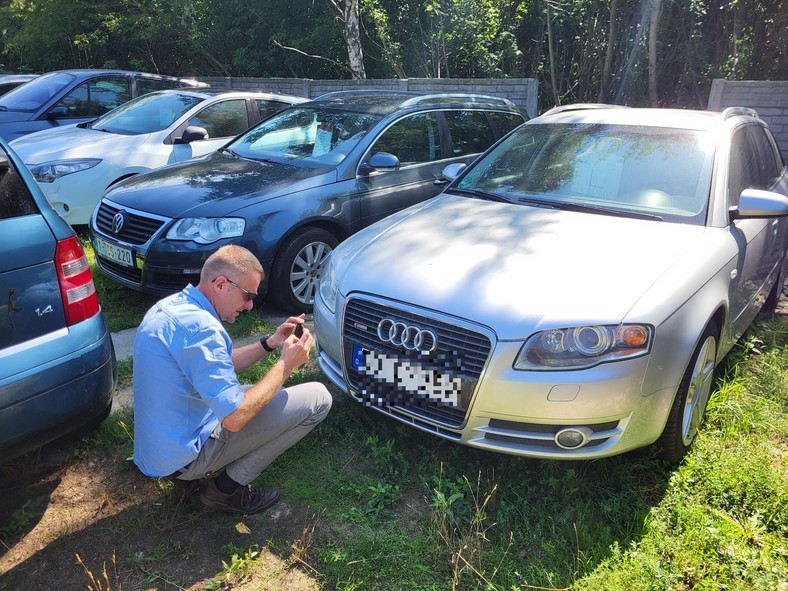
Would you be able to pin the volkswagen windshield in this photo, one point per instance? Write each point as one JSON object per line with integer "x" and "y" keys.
{"x": 312, "y": 136}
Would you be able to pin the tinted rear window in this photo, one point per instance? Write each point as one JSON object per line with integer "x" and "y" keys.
{"x": 15, "y": 200}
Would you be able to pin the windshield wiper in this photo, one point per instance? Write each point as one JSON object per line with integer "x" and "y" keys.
{"x": 489, "y": 195}
{"x": 582, "y": 208}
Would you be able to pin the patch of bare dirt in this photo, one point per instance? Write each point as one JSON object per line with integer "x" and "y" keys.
{"x": 143, "y": 532}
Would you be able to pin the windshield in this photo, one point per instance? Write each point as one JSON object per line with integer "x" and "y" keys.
{"x": 660, "y": 172}
{"x": 31, "y": 96}
{"x": 308, "y": 135}
{"x": 146, "y": 114}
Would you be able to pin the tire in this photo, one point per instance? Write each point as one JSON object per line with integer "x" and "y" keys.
{"x": 689, "y": 406}
{"x": 297, "y": 269}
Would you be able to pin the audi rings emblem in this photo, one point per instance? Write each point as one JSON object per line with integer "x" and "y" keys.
{"x": 117, "y": 222}
{"x": 411, "y": 338}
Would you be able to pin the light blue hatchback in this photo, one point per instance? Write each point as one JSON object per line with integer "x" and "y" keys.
{"x": 57, "y": 364}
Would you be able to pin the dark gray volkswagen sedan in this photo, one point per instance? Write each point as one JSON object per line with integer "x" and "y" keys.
{"x": 292, "y": 188}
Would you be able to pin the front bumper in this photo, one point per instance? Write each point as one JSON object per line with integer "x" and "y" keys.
{"x": 506, "y": 410}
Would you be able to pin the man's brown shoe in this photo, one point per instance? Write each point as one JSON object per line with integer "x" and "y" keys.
{"x": 246, "y": 499}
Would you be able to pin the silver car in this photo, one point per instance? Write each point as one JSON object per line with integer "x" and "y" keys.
{"x": 570, "y": 293}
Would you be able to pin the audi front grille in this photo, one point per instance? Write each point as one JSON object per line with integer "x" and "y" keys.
{"x": 137, "y": 228}
{"x": 461, "y": 351}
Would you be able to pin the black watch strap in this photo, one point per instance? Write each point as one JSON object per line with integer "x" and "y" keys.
{"x": 264, "y": 342}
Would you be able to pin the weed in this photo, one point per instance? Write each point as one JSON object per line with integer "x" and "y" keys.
{"x": 96, "y": 583}
{"x": 300, "y": 548}
{"x": 238, "y": 570}
{"x": 19, "y": 520}
{"x": 383, "y": 495}
{"x": 461, "y": 521}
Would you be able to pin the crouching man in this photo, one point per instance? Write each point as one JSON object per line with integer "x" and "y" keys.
{"x": 193, "y": 421}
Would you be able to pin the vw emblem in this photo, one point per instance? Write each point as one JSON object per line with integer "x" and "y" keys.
{"x": 411, "y": 338}
{"x": 117, "y": 222}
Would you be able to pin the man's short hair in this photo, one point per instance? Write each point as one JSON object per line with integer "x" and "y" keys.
{"x": 230, "y": 259}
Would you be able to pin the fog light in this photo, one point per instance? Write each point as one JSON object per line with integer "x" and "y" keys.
{"x": 572, "y": 437}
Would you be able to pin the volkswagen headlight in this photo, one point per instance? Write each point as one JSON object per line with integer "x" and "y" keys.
{"x": 328, "y": 287}
{"x": 206, "y": 230}
{"x": 48, "y": 172}
{"x": 583, "y": 346}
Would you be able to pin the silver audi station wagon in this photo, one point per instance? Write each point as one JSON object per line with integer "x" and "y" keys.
{"x": 570, "y": 293}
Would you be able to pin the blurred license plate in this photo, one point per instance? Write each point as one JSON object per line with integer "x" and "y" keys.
{"x": 409, "y": 375}
{"x": 115, "y": 252}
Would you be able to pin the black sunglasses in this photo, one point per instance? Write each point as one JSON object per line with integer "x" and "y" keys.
{"x": 248, "y": 295}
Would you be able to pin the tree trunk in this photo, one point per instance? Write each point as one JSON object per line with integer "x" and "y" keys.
{"x": 553, "y": 82}
{"x": 611, "y": 42}
{"x": 353, "y": 40}
{"x": 652, "y": 54}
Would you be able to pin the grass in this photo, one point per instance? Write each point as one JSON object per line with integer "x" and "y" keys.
{"x": 389, "y": 507}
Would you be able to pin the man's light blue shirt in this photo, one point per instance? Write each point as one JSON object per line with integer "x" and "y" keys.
{"x": 184, "y": 381}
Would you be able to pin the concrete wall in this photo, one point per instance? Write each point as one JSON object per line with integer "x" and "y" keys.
{"x": 769, "y": 98}
{"x": 521, "y": 91}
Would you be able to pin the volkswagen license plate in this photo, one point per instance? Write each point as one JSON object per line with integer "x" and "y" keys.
{"x": 115, "y": 252}
{"x": 403, "y": 375}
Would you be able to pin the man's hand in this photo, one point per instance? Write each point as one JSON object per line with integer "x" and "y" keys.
{"x": 295, "y": 352}
{"x": 284, "y": 331}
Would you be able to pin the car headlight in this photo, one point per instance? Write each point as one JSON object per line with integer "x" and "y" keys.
{"x": 48, "y": 172}
{"x": 206, "y": 230}
{"x": 328, "y": 287}
{"x": 583, "y": 346}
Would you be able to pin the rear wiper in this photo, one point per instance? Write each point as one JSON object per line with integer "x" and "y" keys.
{"x": 569, "y": 206}
{"x": 489, "y": 195}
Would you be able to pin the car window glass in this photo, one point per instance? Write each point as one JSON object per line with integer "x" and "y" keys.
{"x": 662, "y": 172}
{"x": 225, "y": 119}
{"x": 470, "y": 132}
{"x": 96, "y": 96}
{"x": 15, "y": 199}
{"x": 505, "y": 122}
{"x": 768, "y": 156}
{"x": 146, "y": 114}
{"x": 268, "y": 108}
{"x": 744, "y": 170}
{"x": 32, "y": 96}
{"x": 413, "y": 140}
{"x": 314, "y": 136}
{"x": 146, "y": 85}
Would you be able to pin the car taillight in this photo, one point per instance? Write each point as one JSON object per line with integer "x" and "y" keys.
{"x": 80, "y": 300}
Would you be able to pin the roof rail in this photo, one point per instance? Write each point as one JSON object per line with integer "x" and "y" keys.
{"x": 471, "y": 98}
{"x": 733, "y": 111}
{"x": 368, "y": 90}
{"x": 581, "y": 107}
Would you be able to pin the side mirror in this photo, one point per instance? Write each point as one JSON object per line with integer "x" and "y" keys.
{"x": 380, "y": 162}
{"x": 760, "y": 204}
{"x": 192, "y": 134}
{"x": 452, "y": 171}
{"x": 57, "y": 113}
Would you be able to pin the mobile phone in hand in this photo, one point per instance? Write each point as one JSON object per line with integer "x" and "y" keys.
{"x": 298, "y": 331}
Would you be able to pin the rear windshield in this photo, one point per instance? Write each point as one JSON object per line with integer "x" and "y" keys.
{"x": 15, "y": 200}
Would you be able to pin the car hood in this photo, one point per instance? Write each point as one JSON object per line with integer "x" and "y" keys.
{"x": 71, "y": 142}
{"x": 512, "y": 267}
{"x": 215, "y": 185}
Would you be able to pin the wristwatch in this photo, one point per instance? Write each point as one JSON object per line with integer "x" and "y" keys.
{"x": 264, "y": 343}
